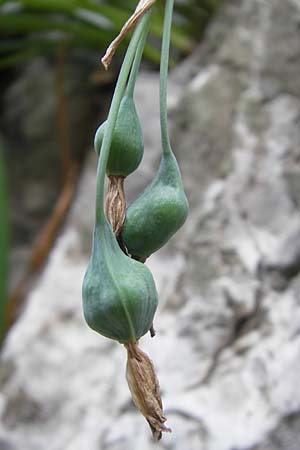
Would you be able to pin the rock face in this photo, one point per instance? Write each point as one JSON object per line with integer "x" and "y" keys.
{"x": 35, "y": 124}
{"x": 227, "y": 349}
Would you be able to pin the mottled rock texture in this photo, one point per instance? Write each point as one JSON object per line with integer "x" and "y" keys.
{"x": 48, "y": 108}
{"x": 227, "y": 349}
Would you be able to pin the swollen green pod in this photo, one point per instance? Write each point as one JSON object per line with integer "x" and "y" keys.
{"x": 119, "y": 294}
{"x": 161, "y": 209}
{"x": 127, "y": 145}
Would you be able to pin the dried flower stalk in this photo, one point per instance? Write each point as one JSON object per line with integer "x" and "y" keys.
{"x": 144, "y": 387}
{"x": 115, "y": 203}
{"x": 142, "y": 7}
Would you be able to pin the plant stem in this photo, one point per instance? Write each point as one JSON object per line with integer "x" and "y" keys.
{"x": 137, "y": 58}
{"x": 112, "y": 117}
{"x": 164, "y": 68}
{"x": 4, "y": 238}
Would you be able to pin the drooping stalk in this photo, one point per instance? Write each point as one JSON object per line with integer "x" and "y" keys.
{"x": 112, "y": 116}
{"x": 137, "y": 59}
{"x": 164, "y": 68}
{"x": 4, "y": 237}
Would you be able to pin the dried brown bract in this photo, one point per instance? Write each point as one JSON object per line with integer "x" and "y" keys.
{"x": 115, "y": 203}
{"x": 144, "y": 388}
{"x": 142, "y": 7}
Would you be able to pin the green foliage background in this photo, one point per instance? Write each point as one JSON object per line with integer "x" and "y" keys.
{"x": 32, "y": 27}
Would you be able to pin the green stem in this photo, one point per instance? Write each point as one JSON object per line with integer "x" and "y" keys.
{"x": 4, "y": 238}
{"x": 164, "y": 68}
{"x": 137, "y": 59}
{"x": 112, "y": 117}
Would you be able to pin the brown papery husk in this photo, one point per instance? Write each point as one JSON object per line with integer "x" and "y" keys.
{"x": 115, "y": 203}
{"x": 144, "y": 387}
{"x": 142, "y": 7}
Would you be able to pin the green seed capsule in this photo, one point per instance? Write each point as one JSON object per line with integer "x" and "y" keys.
{"x": 153, "y": 218}
{"x": 119, "y": 294}
{"x": 127, "y": 146}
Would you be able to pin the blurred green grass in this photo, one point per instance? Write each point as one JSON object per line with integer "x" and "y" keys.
{"x": 33, "y": 27}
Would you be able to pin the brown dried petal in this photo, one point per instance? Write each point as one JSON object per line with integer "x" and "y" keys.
{"x": 115, "y": 204}
{"x": 144, "y": 388}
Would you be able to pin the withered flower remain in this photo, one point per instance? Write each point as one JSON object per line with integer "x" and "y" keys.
{"x": 144, "y": 387}
{"x": 115, "y": 203}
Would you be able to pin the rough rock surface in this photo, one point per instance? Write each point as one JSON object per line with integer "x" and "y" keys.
{"x": 227, "y": 349}
{"x": 33, "y": 118}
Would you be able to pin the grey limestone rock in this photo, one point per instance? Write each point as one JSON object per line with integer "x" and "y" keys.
{"x": 227, "y": 349}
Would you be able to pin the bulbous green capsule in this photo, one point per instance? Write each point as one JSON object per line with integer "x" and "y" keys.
{"x": 161, "y": 209}
{"x": 127, "y": 145}
{"x": 119, "y": 294}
